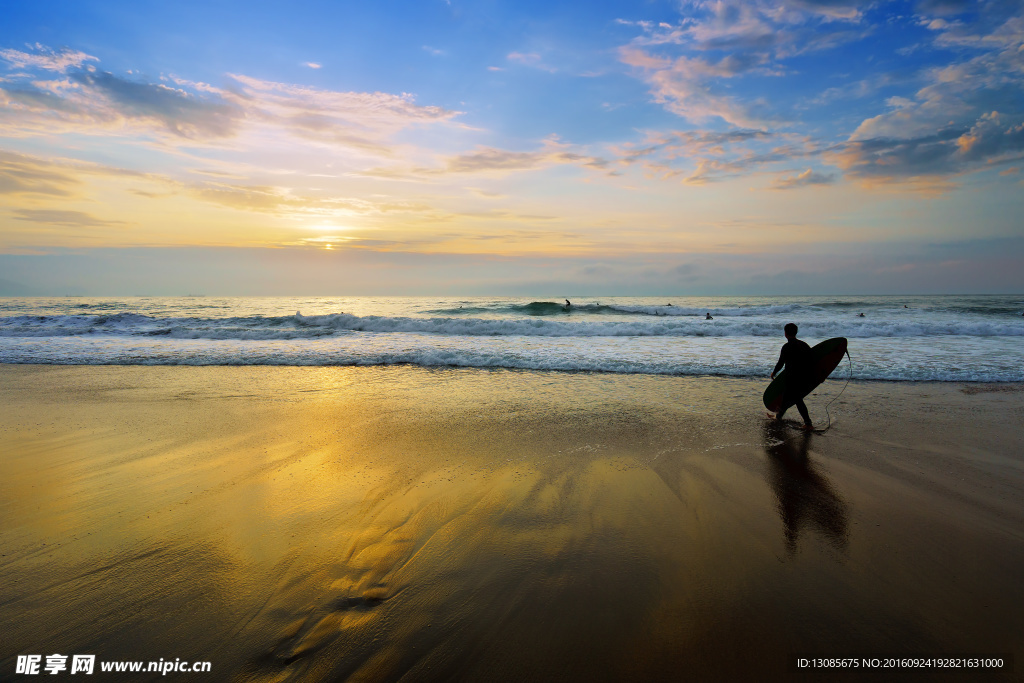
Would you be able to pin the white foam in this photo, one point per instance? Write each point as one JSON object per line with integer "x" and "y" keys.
{"x": 312, "y": 327}
{"x": 983, "y": 360}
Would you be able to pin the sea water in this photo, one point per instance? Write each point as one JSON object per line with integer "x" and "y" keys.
{"x": 938, "y": 338}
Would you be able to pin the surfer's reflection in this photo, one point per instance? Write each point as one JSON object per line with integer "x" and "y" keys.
{"x": 805, "y": 496}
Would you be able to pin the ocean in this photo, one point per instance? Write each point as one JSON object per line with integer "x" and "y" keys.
{"x": 912, "y": 338}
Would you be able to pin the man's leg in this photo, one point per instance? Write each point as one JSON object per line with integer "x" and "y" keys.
{"x": 803, "y": 412}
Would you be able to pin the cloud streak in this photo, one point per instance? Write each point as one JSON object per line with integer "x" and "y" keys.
{"x": 700, "y": 157}
{"x": 46, "y": 58}
{"x": 685, "y": 86}
{"x": 493, "y": 161}
{"x": 949, "y": 151}
{"x": 23, "y": 175}
{"x": 807, "y": 178}
{"x": 86, "y": 99}
{"x": 68, "y": 219}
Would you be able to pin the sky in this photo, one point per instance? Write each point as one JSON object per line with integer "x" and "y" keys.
{"x": 447, "y": 147}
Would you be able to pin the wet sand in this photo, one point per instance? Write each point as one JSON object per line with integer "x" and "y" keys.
{"x": 377, "y": 524}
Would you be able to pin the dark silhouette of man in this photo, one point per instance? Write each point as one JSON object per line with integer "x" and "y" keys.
{"x": 796, "y": 358}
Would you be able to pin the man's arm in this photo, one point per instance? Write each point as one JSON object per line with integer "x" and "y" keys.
{"x": 782, "y": 361}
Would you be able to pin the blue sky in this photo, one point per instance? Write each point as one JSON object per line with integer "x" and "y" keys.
{"x": 498, "y": 147}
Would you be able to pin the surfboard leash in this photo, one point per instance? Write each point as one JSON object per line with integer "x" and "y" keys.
{"x": 850, "y": 359}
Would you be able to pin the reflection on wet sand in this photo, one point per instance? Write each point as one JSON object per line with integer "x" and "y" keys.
{"x": 386, "y": 524}
{"x": 458, "y": 577}
{"x": 805, "y": 497}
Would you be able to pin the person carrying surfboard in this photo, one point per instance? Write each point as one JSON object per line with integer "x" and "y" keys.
{"x": 796, "y": 358}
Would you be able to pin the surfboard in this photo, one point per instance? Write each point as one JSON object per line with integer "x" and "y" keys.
{"x": 825, "y": 357}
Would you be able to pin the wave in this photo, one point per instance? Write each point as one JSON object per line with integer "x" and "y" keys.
{"x": 299, "y": 326}
{"x": 727, "y": 312}
{"x": 274, "y": 354}
{"x": 545, "y": 308}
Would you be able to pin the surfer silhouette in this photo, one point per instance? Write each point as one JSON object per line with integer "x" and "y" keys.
{"x": 708, "y": 316}
{"x": 796, "y": 358}
{"x": 568, "y": 304}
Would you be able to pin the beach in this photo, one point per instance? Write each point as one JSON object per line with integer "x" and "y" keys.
{"x": 398, "y": 522}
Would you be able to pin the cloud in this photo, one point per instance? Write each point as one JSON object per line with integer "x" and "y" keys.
{"x": 688, "y": 64}
{"x": 495, "y": 161}
{"x": 69, "y": 219}
{"x": 26, "y": 175}
{"x": 312, "y": 65}
{"x": 957, "y": 93}
{"x": 356, "y": 119}
{"x": 701, "y": 156}
{"x": 835, "y": 9}
{"x": 247, "y": 198}
{"x": 182, "y": 113}
{"x": 485, "y": 159}
{"x": 808, "y": 177}
{"x": 685, "y": 87}
{"x": 284, "y": 201}
{"x": 47, "y": 59}
{"x": 950, "y": 151}
{"x": 965, "y": 115}
{"x": 490, "y": 194}
{"x": 531, "y": 59}
{"x": 99, "y": 102}
{"x": 858, "y": 89}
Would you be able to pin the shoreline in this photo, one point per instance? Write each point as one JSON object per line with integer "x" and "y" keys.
{"x": 832, "y": 381}
{"x": 315, "y": 523}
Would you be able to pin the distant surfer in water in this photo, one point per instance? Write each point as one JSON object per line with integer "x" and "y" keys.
{"x": 796, "y": 358}
{"x": 568, "y": 304}
{"x": 708, "y": 316}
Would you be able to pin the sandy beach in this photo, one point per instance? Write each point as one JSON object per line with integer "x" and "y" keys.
{"x": 389, "y": 523}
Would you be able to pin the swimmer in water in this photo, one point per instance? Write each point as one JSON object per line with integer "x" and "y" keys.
{"x": 708, "y": 316}
{"x": 860, "y": 315}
